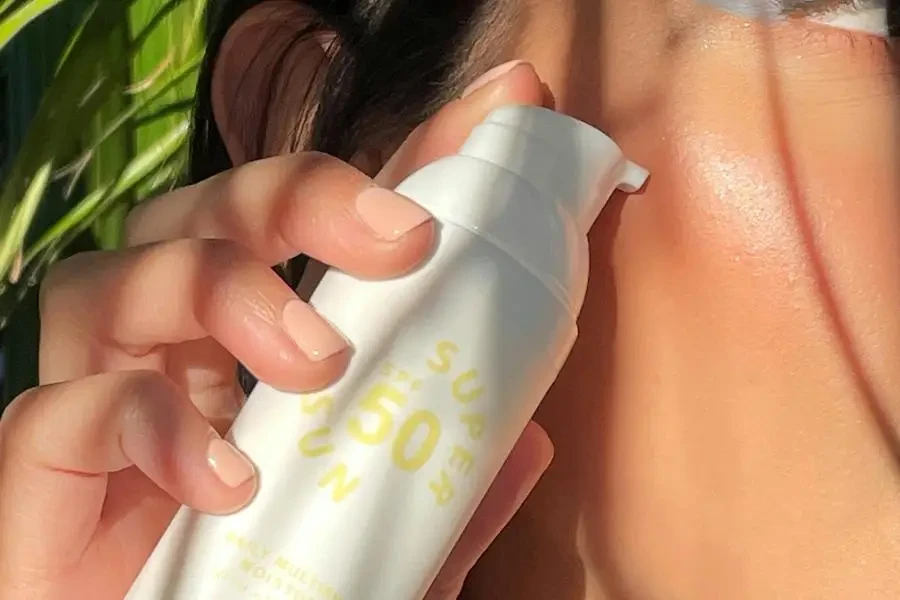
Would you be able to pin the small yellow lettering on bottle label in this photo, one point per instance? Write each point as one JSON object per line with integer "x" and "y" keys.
{"x": 474, "y": 423}
{"x": 313, "y": 405}
{"x": 442, "y": 488}
{"x": 337, "y": 478}
{"x": 253, "y": 549}
{"x": 259, "y": 572}
{"x": 461, "y": 459}
{"x": 445, "y": 351}
{"x": 465, "y": 388}
{"x": 315, "y": 443}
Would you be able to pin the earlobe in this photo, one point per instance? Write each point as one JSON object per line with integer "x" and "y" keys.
{"x": 265, "y": 74}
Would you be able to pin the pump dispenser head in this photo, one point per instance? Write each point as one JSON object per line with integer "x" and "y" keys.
{"x": 565, "y": 159}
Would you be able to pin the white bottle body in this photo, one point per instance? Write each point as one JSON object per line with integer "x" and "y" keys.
{"x": 365, "y": 487}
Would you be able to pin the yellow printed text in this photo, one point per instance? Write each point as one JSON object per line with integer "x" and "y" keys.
{"x": 461, "y": 459}
{"x": 463, "y": 395}
{"x": 422, "y": 419}
{"x": 474, "y": 423}
{"x": 337, "y": 478}
{"x": 442, "y": 488}
{"x": 314, "y": 405}
{"x": 312, "y": 448}
{"x": 445, "y": 352}
{"x": 378, "y": 404}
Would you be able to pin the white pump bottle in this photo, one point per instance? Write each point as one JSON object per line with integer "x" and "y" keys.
{"x": 365, "y": 487}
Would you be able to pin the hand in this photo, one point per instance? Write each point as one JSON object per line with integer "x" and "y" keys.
{"x": 139, "y": 350}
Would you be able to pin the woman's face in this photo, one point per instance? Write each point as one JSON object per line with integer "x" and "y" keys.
{"x": 725, "y": 427}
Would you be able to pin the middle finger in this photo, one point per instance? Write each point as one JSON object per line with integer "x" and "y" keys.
{"x": 113, "y": 310}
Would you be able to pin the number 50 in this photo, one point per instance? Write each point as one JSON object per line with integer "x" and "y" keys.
{"x": 376, "y": 404}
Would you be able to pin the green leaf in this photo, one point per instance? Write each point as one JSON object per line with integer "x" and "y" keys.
{"x": 14, "y": 237}
{"x": 85, "y": 83}
{"x": 170, "y": 40}
{"x": 71, "y": 99}
{"x": 82, "y": 214}
{"x": 136, "y": 108}
{"x": 114, "y": 115}
{"x": 110, "y": 147}
{"x": 19, "y": 17}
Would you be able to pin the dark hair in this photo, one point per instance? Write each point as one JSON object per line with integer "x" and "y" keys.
{"x": 393, "y": 63}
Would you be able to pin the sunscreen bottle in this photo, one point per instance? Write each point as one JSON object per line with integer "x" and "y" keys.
{"x": 365, "y": 487}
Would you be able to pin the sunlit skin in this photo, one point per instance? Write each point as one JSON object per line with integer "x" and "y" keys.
{"x": 723, "y": 429}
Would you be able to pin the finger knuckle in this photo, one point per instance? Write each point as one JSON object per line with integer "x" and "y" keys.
{"x": 17, "y": 421}
{"x": 58, "y": 278}
{"x": 325, "y": 169}
{"x": 145, "y": 395}
{"x": 272, "y": 173}
{"x": 322, "y": 193}
{"x": 312, "y": 159}
{"x": 144, "y": 384}
{"x": 221, "y": 261}
{"x": 213, "y": 270}
{"x": 225, "y": 252}
{"x": 204, "y": 256}
{"x": 131, "y": 228}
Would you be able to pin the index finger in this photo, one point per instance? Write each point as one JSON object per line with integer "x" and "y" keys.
{"x": 276, "y": 207}
{"x": 445, "y": 132}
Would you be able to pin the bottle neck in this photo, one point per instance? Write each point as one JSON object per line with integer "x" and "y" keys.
{"x": 578, "y": 181}
{"x": 526, "y": 155}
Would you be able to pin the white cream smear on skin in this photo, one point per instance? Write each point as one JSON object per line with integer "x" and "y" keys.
{"x": 868, "y": 16}
{"x": 871, "y": 20}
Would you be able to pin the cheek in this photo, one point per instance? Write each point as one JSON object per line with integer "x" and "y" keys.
{"x": 740, "y": 341}
{"x": 780, "y": 188}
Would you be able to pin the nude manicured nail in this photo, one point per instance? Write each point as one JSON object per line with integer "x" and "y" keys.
{"x": 227, "y": 462}
{"x": 388, "y": 214}
{"x": 312, "y": 334}
{"x": 491, "y": 75}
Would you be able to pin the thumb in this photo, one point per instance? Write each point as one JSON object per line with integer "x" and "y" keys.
{"x": 511, "y": 83}
{"x": 523, "y": 468}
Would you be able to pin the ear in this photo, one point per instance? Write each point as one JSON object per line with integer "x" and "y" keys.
{"x": 262, "y": 76}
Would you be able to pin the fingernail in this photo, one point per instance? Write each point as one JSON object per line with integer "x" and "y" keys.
{"x": 388, "y": 214}
{"x": 227, "y": 462}
{"x": 312, "y": 334}
{"x": 491, "y": 75}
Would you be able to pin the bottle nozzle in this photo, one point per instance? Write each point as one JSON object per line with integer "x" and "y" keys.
{"x": 633, "y": 178}
{"x": 564, "y": 158}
